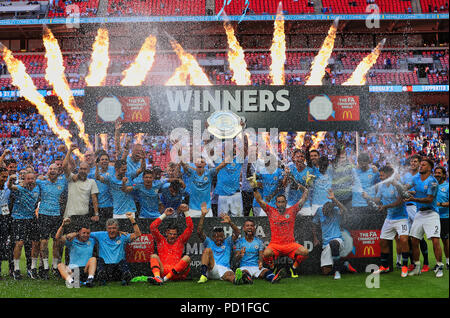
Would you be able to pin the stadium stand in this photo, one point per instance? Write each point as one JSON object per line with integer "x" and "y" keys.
{"x": 237, "y": 7}
{"x": 86, "y": 8}
{"x": 156, "y": 8}
{"x": 359, "y": 6}
{"x": 434, "y": 6}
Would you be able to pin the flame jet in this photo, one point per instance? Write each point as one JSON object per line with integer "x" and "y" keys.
{"x": 189, "y": 68}
{"x": 99, "y": 60}
{"x": 28, "y": 90}
{"x": 136, "y": 73}
{"x": 278, "y": 49}
{"x": 236, "y": 56}
{"x": 320, "y": 61}
{"x": 358, "y": 76}
{"x": 54, "y": 74}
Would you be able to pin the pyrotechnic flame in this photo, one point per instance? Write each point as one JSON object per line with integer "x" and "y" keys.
{"x": 189, "y": 66}
{"x": 358, "y": 76}
{"x": 320, "y": 61}
{"x": 236, "y": 58}
{"x": 99, "y": 60}
{"x": 54, "y": 74}
{"x": 283, "y": 142}
{"x": 299, "y": 138}
{"x": 317, "y": 139}
{"x": 104, "y": 141}
{"x": 136, "y": 73}
{"x": 28, "y": 90}
{"x": 278, "y": 49}
{"x": 139, "y": 138}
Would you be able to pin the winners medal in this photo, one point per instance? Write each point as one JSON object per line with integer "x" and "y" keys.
{"x": 224, "y": 124}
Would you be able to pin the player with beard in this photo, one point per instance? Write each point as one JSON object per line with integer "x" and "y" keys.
{"x": 411, "y": 208}
{"x": 249, "y": 254}
{"x": 427, "y": 219}
{"x": 442, "y": 203}
{"x": 170, "y": 260}
{"x": 80, "y": 191}
{"x": 282, "y": 222}
{"x": 200, "y": 181}
{"x": 24, "y": 221}
{"x": 49, "y": 216}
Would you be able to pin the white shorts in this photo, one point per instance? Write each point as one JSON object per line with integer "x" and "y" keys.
{"x": 326, "y": 259}
{"x": 217, "y": 272}
{"x": 253, "y": 270}
{"x": 314, "y": 208}
{"x": 122, "y": 216}
{"x": 304, "y": 211}
{"x": 230, "y": 203}
{"x": 426, "y": 222}
{"x": 412, "y": 211}
{"x": 258, "y": 211}
{"x": 393, "y": 227}
{"x": 198, "y": 213}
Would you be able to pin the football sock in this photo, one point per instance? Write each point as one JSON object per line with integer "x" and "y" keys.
{"x": 154, "y": 263}
{"x": 405, "y": 257}
{"x": 55, "y": 263}
{"x": 90, "y": 276}
{"x": 384, "y": 259}
{"x": 178, "y": 268}
{"x": 446, "y": 260}
{"x": 203, "y": 269}
{"x": 45, "y": 261}
{"x": 269, "y": 276}
{"x": 17, "y": 264}
{"x": 424, "y": 250}
{"x": 298, "y": 260}
{"x": 399, "y": 258}
{"x": 34, "y": 263}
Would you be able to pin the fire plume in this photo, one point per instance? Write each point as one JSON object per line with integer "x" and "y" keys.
{"x": 100, "y": 59}
{"x": 136, "y": 73}
{"x": 317, "y": 139}
{"x": 139, "y": 138}
{"x": 299, "y": 138}
{"x": 236, "y": 58}
{"x": 189, "y": 68}
{"x": 320, "y": 61}
{"x": 283, "y": 142}
{"x": 104, "y": 141}
{"x": 54, "y": 74}
{"x": 28, "y": 90}
{"x": 358, "y": 76}
{"x": 278, "y": 50}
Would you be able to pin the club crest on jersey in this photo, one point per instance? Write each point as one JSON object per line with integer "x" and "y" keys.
{"x": 222, "y": 247}
{"x": 118, "y": 242}
{"x": 205, "y": 179}
{"x": 287, "y": 216}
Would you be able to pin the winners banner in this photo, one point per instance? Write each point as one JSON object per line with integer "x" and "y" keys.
{"x": 160, "y": 109}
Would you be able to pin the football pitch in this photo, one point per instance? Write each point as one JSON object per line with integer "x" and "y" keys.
{"x": 390, "y": 285}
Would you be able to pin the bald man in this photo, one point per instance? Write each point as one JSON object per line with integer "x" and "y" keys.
{"x": 81, "y": 190}
{"x": 49, "y": 217}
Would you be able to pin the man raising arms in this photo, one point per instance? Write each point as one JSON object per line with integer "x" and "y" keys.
{"x": 169, "y": 260}
{"x": 282, "y": 222}
{"x": 217, "y": 253}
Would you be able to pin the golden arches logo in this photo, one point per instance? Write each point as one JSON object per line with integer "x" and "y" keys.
{"x": 139, "y": 256}
{"x": 137, "y": 116}
{"x": 369, "y": 251}
{"x": 347, "y": 115}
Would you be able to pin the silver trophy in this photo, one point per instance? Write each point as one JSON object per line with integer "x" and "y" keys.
{"x": 225, "y": 124}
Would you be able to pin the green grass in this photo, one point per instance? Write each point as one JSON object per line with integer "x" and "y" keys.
{"x": 311, "y": 286}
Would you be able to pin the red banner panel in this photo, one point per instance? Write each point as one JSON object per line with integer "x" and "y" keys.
{"x": 140, "y": 250}
{"x": 333, "y": 108}
{"x": 366, "y": 243}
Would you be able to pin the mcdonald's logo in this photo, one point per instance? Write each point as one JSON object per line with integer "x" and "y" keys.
{"x": 368, "y": 251}
{"x": 137, "y": 116}
{"x": 139, "y": 256}
{"x": 347, "y": 115}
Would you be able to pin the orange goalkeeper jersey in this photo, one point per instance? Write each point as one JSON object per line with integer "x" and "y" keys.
{"x": 282, "y": 225}
{"x": 171, "y": 253}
